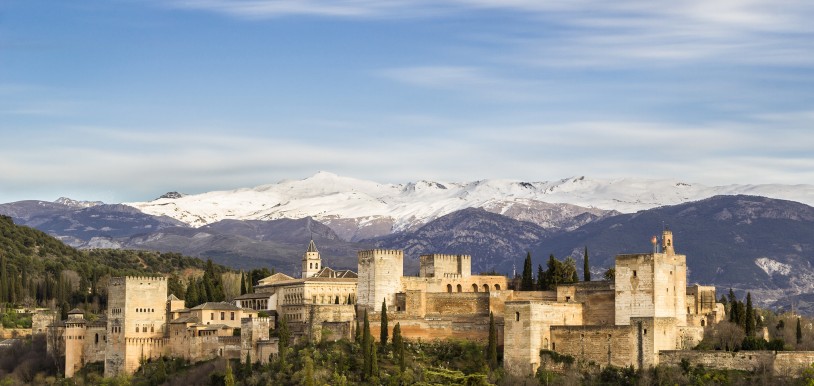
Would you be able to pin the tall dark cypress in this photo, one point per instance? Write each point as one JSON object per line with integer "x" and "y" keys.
{"x": 749, "y": 325}
{"x": 398, "y": 347}
{"x": 527, "y": 282}
{"x": 242, "y": 283}
{"x": 491, "y": 349}
{"x": 383, "y": 330}
{"x": 799, "y": 332}
{"x": 541, "y": 279}
{"x": 586, "y": 266}
{"x": 366, "y": 349}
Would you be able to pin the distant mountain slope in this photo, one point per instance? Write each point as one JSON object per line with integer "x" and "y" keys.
{"x": 748, "y": 243}
{"x": 246, "y": 244}
{"x": 358, "y": 209}
{"x": 491, "y": 239}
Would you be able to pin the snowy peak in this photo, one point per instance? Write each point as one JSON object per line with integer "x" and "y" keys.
{"x": 348, "y": 204}
{"x": 77, "y": 204}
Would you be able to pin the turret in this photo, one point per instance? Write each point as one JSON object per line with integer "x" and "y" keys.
{"x": 667, "y": 242}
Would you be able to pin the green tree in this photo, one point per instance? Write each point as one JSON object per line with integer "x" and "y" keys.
{"x": 243, "y": 289}
{"x": 247, "y": 367}
{"x": 527, "y": 282}
{"x": 610, "y": 274}
{"x": 309, "y": 372}
{"x": 749, "y": 317}
{"x": 366, "y": 348}
{"x": 491, "y": 349}
{"x": 541, "y": 279}
{"x": 383, "y": 329}
{"x": 229, "y": 378}
{"x": 192, "y": 297}
{"x": 398, "y": 347}
{"x": 586, "y": 266}
{"x": 799, "y": 332}
{"x": 174, "y": 286}
{"x": 374, "y": 361}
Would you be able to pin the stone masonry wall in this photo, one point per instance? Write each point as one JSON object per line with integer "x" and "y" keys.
{"x": 603, "y": 345}
{"x": 380, "y": 273}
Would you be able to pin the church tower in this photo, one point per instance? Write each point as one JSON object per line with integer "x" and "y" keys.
{"x": 311, "y": 262}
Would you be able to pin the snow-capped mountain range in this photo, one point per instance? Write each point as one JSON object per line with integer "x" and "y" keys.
{"x": 358, "y": 209}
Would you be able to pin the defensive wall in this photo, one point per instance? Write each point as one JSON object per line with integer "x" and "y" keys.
{"x": 781, "y": 363}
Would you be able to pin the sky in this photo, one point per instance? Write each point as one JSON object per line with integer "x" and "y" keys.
{"x": 123, "y": 100}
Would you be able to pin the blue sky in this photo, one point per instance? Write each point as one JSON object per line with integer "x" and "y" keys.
{"x": 122, "y": 100}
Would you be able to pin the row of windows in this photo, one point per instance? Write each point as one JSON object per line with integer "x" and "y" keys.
{"x": 144, "y": 328}
{"x": 222, "y": 316}
{"x": 313, "y": 265}
{"x": 116, "y": 329}
{"x": 145, "y": 309}
{"x": 474, "y": 288}
{"x": 115, "y": 311}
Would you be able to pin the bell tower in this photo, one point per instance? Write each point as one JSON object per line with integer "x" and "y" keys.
{"x": 667, "y": 242}
{"x": 311, "y": 262}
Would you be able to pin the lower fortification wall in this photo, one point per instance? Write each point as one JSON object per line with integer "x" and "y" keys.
{"x": 476, "y": 303}
{"x": 782, "y": 363}
{"x": 602, "y": 345}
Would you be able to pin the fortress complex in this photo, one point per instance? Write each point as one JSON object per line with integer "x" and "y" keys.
{"x": 648, "y": 308}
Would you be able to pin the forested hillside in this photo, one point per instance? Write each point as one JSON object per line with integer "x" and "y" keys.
{"x": 39, "y": 270}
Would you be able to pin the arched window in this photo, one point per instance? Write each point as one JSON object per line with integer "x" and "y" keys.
{"x": 459, "y": 288}
{"x": 497, "y": 287}
{"x": 517, "y": 316}
{"x": 703, "y": 322}
{"x": 486, "y": 288}
{"x": 474, "y": 288}
{"x": 449, "y": 288}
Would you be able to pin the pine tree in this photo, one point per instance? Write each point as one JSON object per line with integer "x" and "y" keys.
{"x": 799, "y": 332}
{"x": 309, "y": 372}
{"x": 527, "y": 282}
{"x": 491, "y": 349}
{"x": 541, "y": 280}
{"x": 749, "y": 322}
{"x": 586, "y": 266}
{"x": 383, "y": 330}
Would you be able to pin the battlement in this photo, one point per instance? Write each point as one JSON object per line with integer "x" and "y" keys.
{"x": 377, "y": 252}
{"x": 256, "y": 320}
{"x": 445, "y": 265}
{"x": 145, "y": 278}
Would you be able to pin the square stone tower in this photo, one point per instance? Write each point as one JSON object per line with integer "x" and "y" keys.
{"x": 445, "y": 266}
{"x": 651, "y": 285}
{"x": 136, "y": 320}
{"x": 380, "y": 272}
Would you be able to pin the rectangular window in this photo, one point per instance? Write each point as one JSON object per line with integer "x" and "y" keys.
{"x": 222, "y": 315}
{"x": 211, "y": 316}
{"x": 233, "y": 316}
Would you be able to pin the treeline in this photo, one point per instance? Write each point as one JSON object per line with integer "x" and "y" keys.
{"x": 37, "y": 270}
{"x": 557, "y": 272}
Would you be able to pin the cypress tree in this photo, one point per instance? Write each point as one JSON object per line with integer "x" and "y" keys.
{"x": 586, "y": 266}
{"x": 398, "y": 347}
{"x": 229, "y": 378}
{"x": 374, "y": 360}
{"x": 799, "y": 332}
{"x": 242, "y": 283}
{"x": 247, "y": 370}
{"x": 366, "y": 348}
{"x": 541, "y": 284}
{"x": 527, "y": 282}
{"x": 491, "y": 349}
{"x": 191, "y": 298}
{"x": 383, "y": 330}
{"x": 749, "y": 317}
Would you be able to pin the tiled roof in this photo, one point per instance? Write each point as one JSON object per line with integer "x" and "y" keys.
{"x": 312, "y": 247}
{"x": 216, "y": 306}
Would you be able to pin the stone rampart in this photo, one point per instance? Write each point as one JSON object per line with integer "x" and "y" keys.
{"x": 602, "y": 345}
{"x": 781, "y": 363}
{"x": 457, "y": 303}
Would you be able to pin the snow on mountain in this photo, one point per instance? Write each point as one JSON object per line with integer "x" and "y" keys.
{"x": 348, "y": 204}
{"x": 77, "y": 204}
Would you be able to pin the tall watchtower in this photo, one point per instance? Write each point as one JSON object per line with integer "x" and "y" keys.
{"x": 136, "y": 312}
{"x": 652, "y": 284}
{"x": 311, "y": 262}
{"x": 380, "y": 272}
